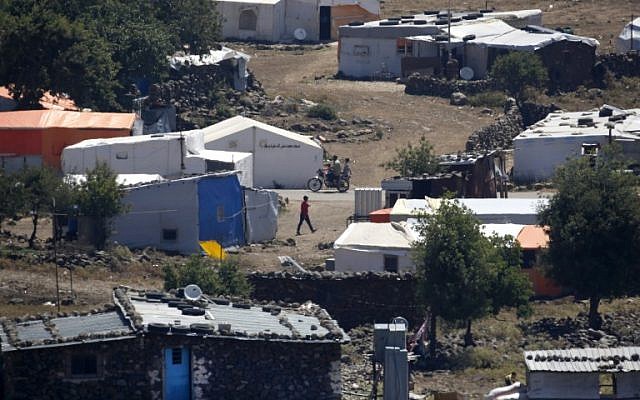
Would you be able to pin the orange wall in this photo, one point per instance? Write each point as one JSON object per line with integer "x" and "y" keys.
{"x": 49, "y": 143}
{"x": 542, "y": 285}
{"x": 56, "y": 139}
{"x": 23, "y": 142}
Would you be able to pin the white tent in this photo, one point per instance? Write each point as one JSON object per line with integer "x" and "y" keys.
{"x": 169, "y": 155}
{"x": 488, "y": 211}
{"x": 281, "y": 158}
{"x": 540, "y": 149}
{"x": 629, "y": 38}
{"x": 368, "y": 246}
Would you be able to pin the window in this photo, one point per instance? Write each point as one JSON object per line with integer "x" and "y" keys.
{"x": 404, "y": 44}
{"x": 390, "y": 263}
{"x": 220, "y": 213}
{"x": 122, "y": 155}
{"x": 248, "y": 20}
{"x": 170, "y": 234}
{"x": 84, "y": 366}
{"x": 360, "y": 50}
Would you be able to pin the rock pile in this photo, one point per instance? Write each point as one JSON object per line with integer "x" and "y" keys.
{"x": 500, "y": 134}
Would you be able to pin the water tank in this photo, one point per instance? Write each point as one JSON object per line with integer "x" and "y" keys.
{"x": 367, "y": 200}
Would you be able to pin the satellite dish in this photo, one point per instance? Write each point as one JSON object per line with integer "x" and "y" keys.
{"x": 300, "y": 34}
{"x": 192, "y": 292}
{"x": 466, "y": 73}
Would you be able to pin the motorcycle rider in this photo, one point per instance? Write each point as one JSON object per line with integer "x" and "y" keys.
{"x": 334, "y": 171}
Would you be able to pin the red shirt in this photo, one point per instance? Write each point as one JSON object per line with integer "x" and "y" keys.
{"x": 304, "y": 208}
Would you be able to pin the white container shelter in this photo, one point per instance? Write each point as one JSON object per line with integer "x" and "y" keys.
{"x": 540, "y": 149}
{"x": 629, "y": 39}
{"x": 281, "y": 158}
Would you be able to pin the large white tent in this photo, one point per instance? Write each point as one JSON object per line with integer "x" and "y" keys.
{"x": 540, "y": 149}
{"x": 170, "y": 155}
{"x": 629, "y": 38}
{"x": 281, "y": 158}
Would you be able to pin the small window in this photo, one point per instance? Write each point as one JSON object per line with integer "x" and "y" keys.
{"x": 170, "y": 234}
{"x": 360, "y": 50}
{"x": 390, "y": 263}
{"x": 220, "y": 213}
{"x": 404, "y": 46}
{"x": 176, "y": 355}
{"x": 122, "y": 155}
{"x": 248, "y": 20}
{"x": 84, "y": 366}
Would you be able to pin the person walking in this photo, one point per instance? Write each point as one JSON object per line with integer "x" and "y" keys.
{"x": 304, "y": 215}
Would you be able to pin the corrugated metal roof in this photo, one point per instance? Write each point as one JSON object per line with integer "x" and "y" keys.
{"x": 622, "y": 359}
{"x": 70, "y": 327}
{"x": 4, "y": 341}
{"x": 32, "y": 330}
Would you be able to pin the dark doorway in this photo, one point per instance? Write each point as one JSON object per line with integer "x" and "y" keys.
{"x": 325, "y": 23}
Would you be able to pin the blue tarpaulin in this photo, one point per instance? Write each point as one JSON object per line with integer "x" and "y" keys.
{"x": 220, "y": 210}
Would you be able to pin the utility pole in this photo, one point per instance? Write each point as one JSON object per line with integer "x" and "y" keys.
{"x": 449, "y": 26}
{"x": 181, "y": 152}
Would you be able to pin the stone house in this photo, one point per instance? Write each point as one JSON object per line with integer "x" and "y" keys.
{"x": 151, "y": 345}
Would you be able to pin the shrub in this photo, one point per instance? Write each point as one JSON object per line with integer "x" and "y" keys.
{"x": 478, "y": 357}
{"x": 322, "y": 111}
{"x": 213, "y": 278}
{"x": 488, "y": 99}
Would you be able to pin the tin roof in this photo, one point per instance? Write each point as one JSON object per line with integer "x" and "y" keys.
{"x": 620, "y": 359}
{"x": 63, "y": 330}
{"x": 163, "y": 313}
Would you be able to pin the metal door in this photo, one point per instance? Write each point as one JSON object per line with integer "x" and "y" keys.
{"x": 325, "y": 23}
{"x": 177, "y": 382}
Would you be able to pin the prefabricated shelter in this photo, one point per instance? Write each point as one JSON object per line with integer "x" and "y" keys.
{"x": 476, "y": 44}
{"x": 629, "y": 39}
{"x": 289, "y": 20}
{"x": 579, "y": 373}
{"x": 177, "y": 215}
{"x": 171, "y": 155}
{"x": 368, "y": 246}
{"x": 151, "y": 345}
{"x": 544, "y": 146}
{"x": 380, "y": 49}
{"x": 35, "y": 138}
{"x": 487, "y": 211}
{"x": 281, "y": 158}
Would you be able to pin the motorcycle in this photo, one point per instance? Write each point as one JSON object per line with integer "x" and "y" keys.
{"x": 321, "y": 179}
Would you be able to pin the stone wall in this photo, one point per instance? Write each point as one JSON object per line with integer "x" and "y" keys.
{"x": 429, "y": 86}
{"x": 220, "y": 369}
{"x": 619, "y": 64}
{"x": 500, "y": 134}
{"x": 352, "y": 299}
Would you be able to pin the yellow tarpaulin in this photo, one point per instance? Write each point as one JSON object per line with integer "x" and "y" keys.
{"x": 213, "y": 249}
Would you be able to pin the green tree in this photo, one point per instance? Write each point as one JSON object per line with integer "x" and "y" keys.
{"x": 11, "y": 200}
{"x": 39, "y": 188}
{"x": 511, "y": 287}
{"x": 594, "y": 222}
{"x": 195, "y": 21}
{"x": 517, "y": 71}
{"x": 100, "y": 199}
{"x": 414, "y": 160}
{"x": 222, "y": 278}
{"x": 45, "y": 51}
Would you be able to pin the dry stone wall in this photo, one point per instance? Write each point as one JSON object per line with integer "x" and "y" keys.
{"x": 429, "y": 86}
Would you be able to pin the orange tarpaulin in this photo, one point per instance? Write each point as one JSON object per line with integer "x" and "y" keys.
{"x": 47, "y": 132}
{"x": 533, "y": 237}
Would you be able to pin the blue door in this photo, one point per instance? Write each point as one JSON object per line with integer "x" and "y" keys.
{"x": 177, "y": 385}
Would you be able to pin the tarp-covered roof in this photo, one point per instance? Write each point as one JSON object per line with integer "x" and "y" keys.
{"x": 240, "y": 123}
{"x": 478, "y": 207}
{"x": 44, "y": 119}
{"x": 367, "y": 235}
{"x": 619, "y": 359}
{"x": 213, "y": 57}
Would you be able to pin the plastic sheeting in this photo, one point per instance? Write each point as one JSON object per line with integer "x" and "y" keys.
{"x": 261, "y": 215}
{"x": 42, "y": 119}
{"x": 629, "y": 38}
{"x": 220, "y": 210}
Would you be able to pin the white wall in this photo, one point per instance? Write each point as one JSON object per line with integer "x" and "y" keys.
{"x": 549, "y": 385}
{"x": 172, "y": 205}
{"x": 270, "y": 19}
{"x": 628, "y": 385}
{"x": 380, "y": 51}
{"x": 302, "y": 14}
{"x": 290, "y": 167}
{"x": 359, "y": 261}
